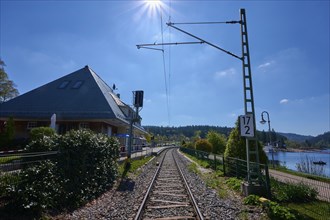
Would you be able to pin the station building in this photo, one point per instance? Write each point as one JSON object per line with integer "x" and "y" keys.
{"x": 79, "y": 100}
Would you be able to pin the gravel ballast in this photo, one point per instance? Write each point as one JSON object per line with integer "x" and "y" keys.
{"x": 123, "y": 200}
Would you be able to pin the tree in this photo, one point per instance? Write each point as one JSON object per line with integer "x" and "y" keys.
{"x": 218, "y": 142}
{"x": 8, "y": 135}
{"x": 7, "y": 87}
{"x": 203, "y": 145}
{"x": 236, "y": 146}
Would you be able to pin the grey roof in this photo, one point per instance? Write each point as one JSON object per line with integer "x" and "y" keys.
{"x": 78, "y": 95}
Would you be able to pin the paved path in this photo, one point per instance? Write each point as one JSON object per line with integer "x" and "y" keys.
{"x": 322, "y": 187}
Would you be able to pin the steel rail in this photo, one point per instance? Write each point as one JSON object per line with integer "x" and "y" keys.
{"x": 192, "y": 199}
{"x": 140, "y": 212}
{"x": 144, "y": 201}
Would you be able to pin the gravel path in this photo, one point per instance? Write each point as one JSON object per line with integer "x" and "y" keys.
{"x": 122, "y": 202}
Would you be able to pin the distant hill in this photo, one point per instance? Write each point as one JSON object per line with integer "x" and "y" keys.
{"x": 188, "y": 131}
{"x": 296, "y": 137}
{"x": 322, "y": 140}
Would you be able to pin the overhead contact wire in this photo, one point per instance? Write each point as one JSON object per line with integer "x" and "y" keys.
{"x": 164, "y": 67}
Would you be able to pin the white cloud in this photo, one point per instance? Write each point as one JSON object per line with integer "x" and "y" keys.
{"x": 225, "y": 73}
{"x": 284, "y": 101}
{"x": 266, "y": 65}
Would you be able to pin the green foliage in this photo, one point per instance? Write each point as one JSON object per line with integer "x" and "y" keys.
{"x": 236, "y": 146}
{"x": 40, "y": 132}
{"x": 45, "y": 143}
{"x": 88, "y": 164}
{"x": 234, "y": 183}
{"x": 278, "y": 212}
{"x": 7, "y": 136}
{"x": 183, "y": 143}
{"x": 7, "y": 87}
{"x": 85, "y": 167}
{"x": 251, "y": 200}
{"x": 218, "y": 142}
{"x": 189, "y": 145}
{"x": 39, "y": 188}
{"x": 310, "y": 210}
{"x": 289, "y": 192}
{"x": 42, "y": 139}
{"x": 203, "y": 145}
{"x": 274, "y": 210}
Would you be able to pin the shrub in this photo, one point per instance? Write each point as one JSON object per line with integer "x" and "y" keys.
{"x": 40, "y": 132}
{"x": 290, "y": 192}
{"x": 39, "y": 187}
{"x": 276, "y": 211}
{"x": 203, "y": 145}
{"x": 251, "y": 200}
{"x": 234, "y": 183}
{"x": 236, "y": 146}
{"x": 218, "y": 142}
{"x": 189, "y": 145}
{"x": 43, "y": 143}
{"x": 87, "y": 164}
{"x": 84, "y": 168}
{"x": 7, "y": 136}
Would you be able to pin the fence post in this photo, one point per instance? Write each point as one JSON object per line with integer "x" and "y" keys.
{"x": 268, "y": 188}
{"x": 215, "y": 162}
{"x": 224, "y": 165}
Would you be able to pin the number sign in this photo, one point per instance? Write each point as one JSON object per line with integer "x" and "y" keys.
{"x": 246, "y": 125}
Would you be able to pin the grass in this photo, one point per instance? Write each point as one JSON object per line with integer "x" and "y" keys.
{"x": 311, "y": 210}
{"x": 215, "y": 179}
{"x": 132, "y": 166}
{"x": 4, "y": 160}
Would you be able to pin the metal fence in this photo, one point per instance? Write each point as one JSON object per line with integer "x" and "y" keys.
{"x": 234, "y": 167}
{"x": 322, "y": 187}
{"x": 16, "y": 161}
{"x": 238, "y": 168}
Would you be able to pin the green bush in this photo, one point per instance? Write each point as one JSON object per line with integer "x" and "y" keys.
{"x": 218, "y": 142}
{"x": 88, "y": 165}
{"x": 44, "y": 143}
{"x": 273, "y": 209}
{"x": 189, "y": 145}
{"x": 236, "y": 146}
{"x": 39, "y": 188}
{"x": 278, "y": 212}
{"x": 7, "y": 136}
{"x": 251, "y": 200}
{"x": 84, "y": 168}
{"x": 40, "y": 132}
{"x": 234, "y": 183}
{"x": 203, "y": 145}
{"x": 290, "y": 192}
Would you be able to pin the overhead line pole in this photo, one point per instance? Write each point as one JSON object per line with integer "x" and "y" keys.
{"x": 252, "y": 169}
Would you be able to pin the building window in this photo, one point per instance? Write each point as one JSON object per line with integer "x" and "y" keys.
{"x": 32, "y": 124}
{"x": 77, "y": 84}
{"x": 84, "y": 125}
{"x": 63, "y": 85}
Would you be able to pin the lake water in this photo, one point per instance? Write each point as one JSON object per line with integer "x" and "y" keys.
{"x": 290, "y": 159}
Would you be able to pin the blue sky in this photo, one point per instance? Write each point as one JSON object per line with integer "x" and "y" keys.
{"x": 41, "y": 41}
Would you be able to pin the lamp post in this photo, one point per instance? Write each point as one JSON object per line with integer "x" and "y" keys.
{"x": 263, "y": 121}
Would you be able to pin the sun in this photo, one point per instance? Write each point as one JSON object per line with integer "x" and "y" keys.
{"x": 153, "y": 3}
{"x": 154, "y": 6}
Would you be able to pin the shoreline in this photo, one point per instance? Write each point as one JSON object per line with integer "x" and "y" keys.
{"x": 312, "y": 150}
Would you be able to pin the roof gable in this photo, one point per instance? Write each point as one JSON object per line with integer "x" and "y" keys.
{"x": 79, "y": 95}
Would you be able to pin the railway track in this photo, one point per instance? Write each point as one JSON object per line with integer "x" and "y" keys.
{"x": 168, "y": 195}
